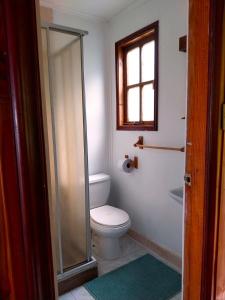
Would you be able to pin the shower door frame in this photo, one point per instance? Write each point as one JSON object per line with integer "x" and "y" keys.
{"x": 90, "y": 262}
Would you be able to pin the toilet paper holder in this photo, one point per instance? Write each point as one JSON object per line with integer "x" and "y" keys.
{"x": 134, "y": 162}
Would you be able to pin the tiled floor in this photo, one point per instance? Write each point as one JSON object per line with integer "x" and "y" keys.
{"x": 130, "y": 251}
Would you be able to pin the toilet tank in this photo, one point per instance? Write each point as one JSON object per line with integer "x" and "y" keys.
{"x": 99, "y": 188}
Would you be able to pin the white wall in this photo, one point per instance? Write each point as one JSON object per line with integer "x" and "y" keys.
{"x": 144, "y": 193}
{"x": 95, "y": 86}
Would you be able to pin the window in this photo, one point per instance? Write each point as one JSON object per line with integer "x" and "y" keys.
{"x": 137, "y": 80}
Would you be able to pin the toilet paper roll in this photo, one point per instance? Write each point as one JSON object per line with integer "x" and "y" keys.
{"x": 125, "y": 165}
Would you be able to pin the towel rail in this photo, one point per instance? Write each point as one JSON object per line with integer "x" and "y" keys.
{"x": 140, "y": 145}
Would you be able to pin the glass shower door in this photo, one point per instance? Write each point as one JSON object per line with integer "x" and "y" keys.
{"x": 67, "y": 155}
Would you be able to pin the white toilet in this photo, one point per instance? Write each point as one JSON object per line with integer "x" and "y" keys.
{"x": 107, "y": 222}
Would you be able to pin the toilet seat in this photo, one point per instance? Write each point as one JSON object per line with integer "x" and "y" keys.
{"x": 109, "y": 216}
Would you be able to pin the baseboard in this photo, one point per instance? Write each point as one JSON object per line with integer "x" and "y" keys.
{"x": 76, "y": 280}
{"x": 173, "y": 259}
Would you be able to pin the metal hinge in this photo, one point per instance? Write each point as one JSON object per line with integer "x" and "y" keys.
{"x": 223, "y": 116}
{"x": 187, "y": 179}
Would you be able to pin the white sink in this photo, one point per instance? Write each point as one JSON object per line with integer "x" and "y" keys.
{"x": 177, "y": 194}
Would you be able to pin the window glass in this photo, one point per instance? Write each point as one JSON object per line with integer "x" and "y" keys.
{"x": 148, "y": 103}
{"x": 148, "y": 61}
{"x": 133, "y": 66}
{"x": 133, "y": 104}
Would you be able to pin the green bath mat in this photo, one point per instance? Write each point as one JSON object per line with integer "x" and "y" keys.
{"x": 145, "y": 278}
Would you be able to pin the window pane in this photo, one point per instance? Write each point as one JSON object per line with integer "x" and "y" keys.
{"x": 133, "y": 104}
{"x": 148, "y": 61}
{"x": 148, "y": 103}
{"x": 133, "y": 66}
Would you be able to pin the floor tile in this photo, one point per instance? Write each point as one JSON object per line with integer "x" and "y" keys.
{"x": 67, "y": 296}
{"x": 81, "y": 294}
{"x": 177, "y": 297}
{"x": 130, "y": 250}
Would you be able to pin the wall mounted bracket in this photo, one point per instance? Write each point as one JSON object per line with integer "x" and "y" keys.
{"x": 134, "y": 162}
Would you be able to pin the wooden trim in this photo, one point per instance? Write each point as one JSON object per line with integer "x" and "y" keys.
{"x": 136, "y": 127}
{"x": 219, "y": 257}
{"x": 167, "y": 255}
{"x": 145, "y": 32}
{"x": 27, "y": 211}
{"x": 196, "y": 160}
{"x": 136, "y": 39}
{"x": 214, "y": 251}
{"x": 12, "y": 255}
{"x": 140, "y": 84}
{"x": 72, "y": 282}
{"x": 201, "y": 151}
{"x": 11, "y": 237}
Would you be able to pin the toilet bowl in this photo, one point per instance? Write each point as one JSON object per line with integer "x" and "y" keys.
{"x": 108, "y": 223}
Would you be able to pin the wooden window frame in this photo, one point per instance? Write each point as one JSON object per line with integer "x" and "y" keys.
{"x": 136, "y": 39}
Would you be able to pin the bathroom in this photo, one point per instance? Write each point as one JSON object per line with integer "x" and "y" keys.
{"x": 144, "y": 193}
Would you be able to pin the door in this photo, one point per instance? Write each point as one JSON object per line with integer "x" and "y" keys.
{"x": 203, "y": 150}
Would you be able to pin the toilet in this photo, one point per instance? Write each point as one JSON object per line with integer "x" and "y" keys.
{"x": 108, "y": 223}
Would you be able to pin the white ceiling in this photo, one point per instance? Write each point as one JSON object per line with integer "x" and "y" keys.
{"x": 100, "y": 9}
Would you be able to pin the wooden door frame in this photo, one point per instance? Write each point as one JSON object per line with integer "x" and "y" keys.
{"x": 30, "y": 205}
{"x": 23, "y": 188}
{"x": 202, "y": 149}
{"x": 219, "y": 256}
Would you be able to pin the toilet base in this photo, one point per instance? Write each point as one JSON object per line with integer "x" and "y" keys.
{"x": 108, "y": 248}
{"x": 108, "y": 239}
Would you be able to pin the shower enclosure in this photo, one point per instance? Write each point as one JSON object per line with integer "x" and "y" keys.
{"x": 66, "y": 147}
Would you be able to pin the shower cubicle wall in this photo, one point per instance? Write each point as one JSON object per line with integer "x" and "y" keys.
{"x": 66, "y": 148}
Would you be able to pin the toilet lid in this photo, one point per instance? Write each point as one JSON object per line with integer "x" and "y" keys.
{"x": 109, "y": 216}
